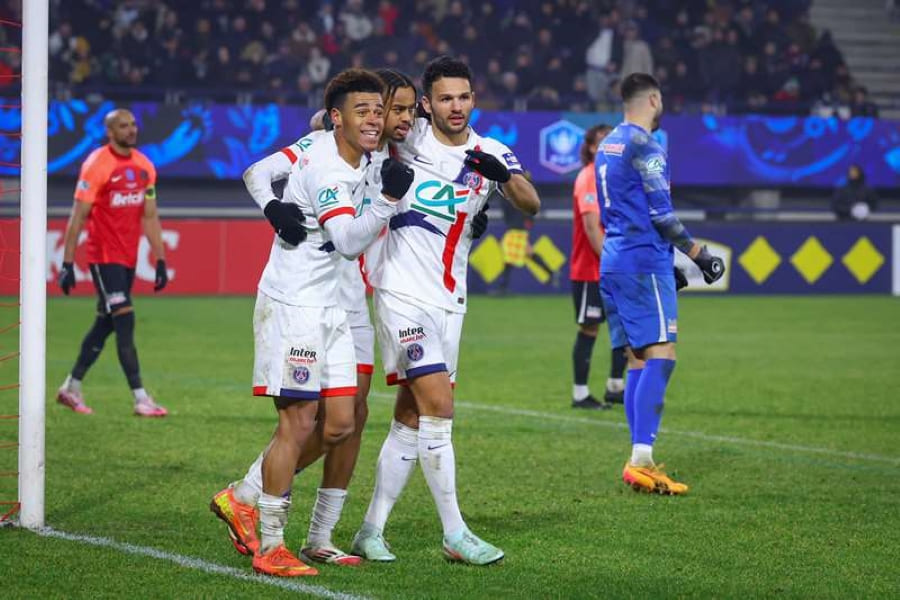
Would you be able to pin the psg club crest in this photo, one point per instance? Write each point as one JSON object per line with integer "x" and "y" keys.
{"x": 472, "y": 180}
{"x": 415, "y": 352}
{"x": 560, "y": 142}
{"x": 301, "y": 374}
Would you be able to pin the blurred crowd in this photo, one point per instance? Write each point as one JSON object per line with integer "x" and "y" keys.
{"x": 712, "y": 55}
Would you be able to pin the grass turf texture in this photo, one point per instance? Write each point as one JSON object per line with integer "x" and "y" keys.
{"x": 815, "y": 518}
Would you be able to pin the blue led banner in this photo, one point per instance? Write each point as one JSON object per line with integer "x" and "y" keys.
{"x": 220, "y": 141}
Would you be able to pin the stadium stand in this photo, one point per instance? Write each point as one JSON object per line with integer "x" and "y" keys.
{"x": 721, "y": 56}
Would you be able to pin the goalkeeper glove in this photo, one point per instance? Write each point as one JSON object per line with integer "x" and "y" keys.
{"x": 162, "y": 276}
{"x": 488, "y": 165}
{"x": 66, "y": 277}
{"x": 711, "y": 266}
{"x": 480, "y": 222}
{"x": 681, "y": 281}
{"x": 395, "y": 178}
{"x": 287, "y": 221}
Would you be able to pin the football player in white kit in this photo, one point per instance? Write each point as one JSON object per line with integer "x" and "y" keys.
{"x": 419, "y": 274}
{"x": 235, "y": 504}
{"x": 303, "y": 349}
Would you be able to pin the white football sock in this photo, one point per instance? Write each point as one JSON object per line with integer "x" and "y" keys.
{"x": 396, "y": 462}
{"x": 642, "y": 455}
{"x": 140, "y": 394}
{"x": 248, "y": 490}
{"x": 72, "y": 384}
{"x": 439, "y": 466}
{"x": 615, "y": 385}
{"x": 273, "y": 513}
{"x": 325, "y": 515}
{"x": 580, "y": 392}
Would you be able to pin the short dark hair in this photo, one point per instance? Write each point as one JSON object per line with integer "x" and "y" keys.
{"x": 591, "y": 136}
{"x": 638, "y": 83}
{"x": 393, "y": 81}
{"x": 444, "y": 66}
{"x": 349, "y": 81}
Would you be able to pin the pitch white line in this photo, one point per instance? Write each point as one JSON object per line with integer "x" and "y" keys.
{"x": 198, "y": 564}
{"x": 521, "y": 412}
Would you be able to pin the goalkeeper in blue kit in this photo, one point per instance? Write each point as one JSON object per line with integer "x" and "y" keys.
{"x": 638, "y": 281}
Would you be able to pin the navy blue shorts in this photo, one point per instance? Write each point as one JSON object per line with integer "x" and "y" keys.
{"x": 640, "y": 308}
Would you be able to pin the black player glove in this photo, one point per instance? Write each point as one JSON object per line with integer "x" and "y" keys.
{"x": 488, "y": 165}
{"x": 711, "y": 266}
{"x": 395, "y": 178}
{"x": 480, "y": 222}
{"x": 681, "y": 281}
{"x": 162, "y": 276}
{"x": 66, "y": 277}
{"x": 287, "y": 221}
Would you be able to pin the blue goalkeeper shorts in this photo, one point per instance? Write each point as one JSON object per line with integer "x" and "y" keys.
{"x": 641, "y": 308}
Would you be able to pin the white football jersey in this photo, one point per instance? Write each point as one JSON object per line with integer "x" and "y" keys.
{"x": 426, "y": 251}
{"x": 352, "y": 290}
{"x": 323, "y": 185}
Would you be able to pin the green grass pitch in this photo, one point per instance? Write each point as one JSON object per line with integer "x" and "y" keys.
{"x": 783, "y": 415}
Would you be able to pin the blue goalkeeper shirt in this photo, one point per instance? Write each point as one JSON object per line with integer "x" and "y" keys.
{"x": 633, "y": 184}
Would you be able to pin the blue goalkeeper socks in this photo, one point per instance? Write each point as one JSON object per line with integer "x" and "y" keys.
{"x": 631, "y": 385}
{"x": 648, "y": 400}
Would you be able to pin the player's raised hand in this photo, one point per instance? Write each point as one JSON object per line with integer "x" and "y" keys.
{"x": 286, "y": 219}
{"x": 480, "y": 222}
{"x": 395, "y": 178}
{"x": 681, "y": 281}
{"x": 488, "y": 165}
{"x": 66, "y": 277}
{"x": 162, "y": 276}
{"x": 711, "y": 266}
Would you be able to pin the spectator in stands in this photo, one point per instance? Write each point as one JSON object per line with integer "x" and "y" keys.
{"x": 168, "y": 45}
{"x": 636, "y": 56}
{"x": 860, "y": 106}
{"x": 603, "y": 57}
{"x": 854, "y": 200}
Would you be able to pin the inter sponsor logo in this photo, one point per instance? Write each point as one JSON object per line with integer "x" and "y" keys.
{"x": 120, "y": 199}
{"x": 301, "y": 356}
{"x": 411, "y": 334}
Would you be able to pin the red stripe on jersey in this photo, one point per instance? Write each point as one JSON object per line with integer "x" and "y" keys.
{"x": 341, "y": 210}
{"x": 450, "y": 250}
{"x": 290, "y": 154}
{"x": 365, "y": 369}
{"x": 260, "y": 390}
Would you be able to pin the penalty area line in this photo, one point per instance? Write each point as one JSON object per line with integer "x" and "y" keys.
{"x": 707, "y": 437}
{"x": 198, "y": 564}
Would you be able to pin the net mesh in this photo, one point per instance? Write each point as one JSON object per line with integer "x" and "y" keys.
{"x": 10, "y": 251}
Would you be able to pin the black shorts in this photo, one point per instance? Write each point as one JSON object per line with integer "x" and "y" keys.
{"x": 588, "y": 306}
{"x": 113, "y": 284}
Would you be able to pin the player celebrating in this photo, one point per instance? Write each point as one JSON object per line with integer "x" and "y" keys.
{"x": 116, "y": 193}
{"x": 587, "y": 242}
{"x": 303, "y": 349}
{"x": 419, "y": 274}
{"x": 235, "y": 505}
{"x": 637, "y": 283}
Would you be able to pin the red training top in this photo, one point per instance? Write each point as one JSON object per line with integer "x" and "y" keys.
{"x": 585, "y": 264}
{"x": 116, "y": 186}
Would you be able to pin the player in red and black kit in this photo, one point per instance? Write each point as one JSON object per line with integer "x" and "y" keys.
{"x": 587, "y": 242}
{"x": 115, "y": 195}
